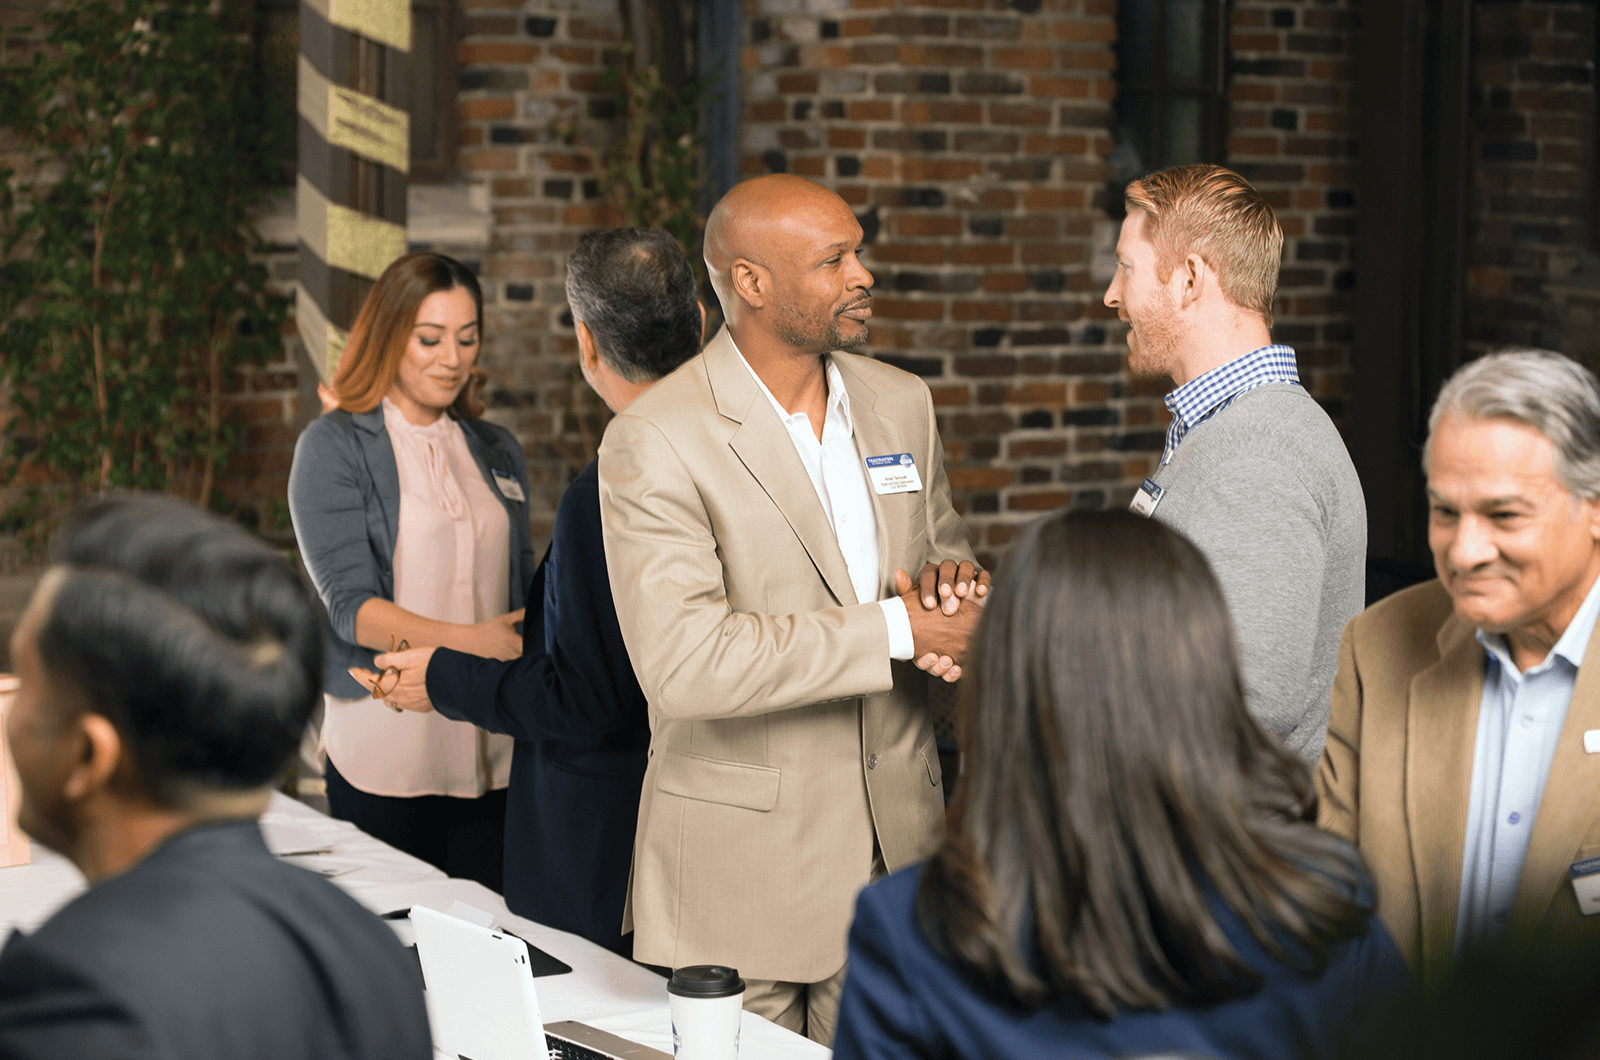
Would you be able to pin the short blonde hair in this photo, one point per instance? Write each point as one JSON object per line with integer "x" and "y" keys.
{"x": 1216, "y": 213}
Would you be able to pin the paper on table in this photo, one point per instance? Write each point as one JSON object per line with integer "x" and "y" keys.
{"x": 285, "y": 837}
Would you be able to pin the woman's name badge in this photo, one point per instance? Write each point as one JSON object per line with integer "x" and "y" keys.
{"x": 1145, "y": 501}
{"x": 895, "y": 473}
{"x": 1586, "y": 884}
{"x": 510, "y": 488}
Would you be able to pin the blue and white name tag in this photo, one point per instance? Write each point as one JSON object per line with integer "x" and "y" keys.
{"x": 510, "y": 488}
{"x": 1145, "y": 501}
{"x": 1586, "y": 884}
{"x": 895, "y": 473}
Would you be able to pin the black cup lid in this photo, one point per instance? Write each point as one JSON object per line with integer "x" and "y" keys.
{"x": 705, "y": 980}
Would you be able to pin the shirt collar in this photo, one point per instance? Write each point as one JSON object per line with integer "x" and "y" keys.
{"x": 1200, "y": 396}
{"x": 1571, "y": 645}
{"x": 838, "y": 396}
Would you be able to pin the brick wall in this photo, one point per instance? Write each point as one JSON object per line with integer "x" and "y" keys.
{"x": 1291, "y": 111}
{"x": 1531, "y": 279}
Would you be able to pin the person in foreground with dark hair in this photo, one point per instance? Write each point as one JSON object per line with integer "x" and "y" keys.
{"x": 1131, "y": 865}
{"x": 571, "y": 699}
{"x": 168, "y": 663}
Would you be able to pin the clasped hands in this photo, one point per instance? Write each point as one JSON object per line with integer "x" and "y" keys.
{"x": 407, "y": 668}
{"x": 940, "y": 625}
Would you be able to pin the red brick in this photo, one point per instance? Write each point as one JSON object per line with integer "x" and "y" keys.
{"x": 486, "y": 108}
{"x": 497, "y": 53}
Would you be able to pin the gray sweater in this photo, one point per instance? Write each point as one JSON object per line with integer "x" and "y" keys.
{"x": 1267, "y": 492}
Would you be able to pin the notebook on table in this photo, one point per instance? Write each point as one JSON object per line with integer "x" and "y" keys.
{"x": 484, "y": 1005}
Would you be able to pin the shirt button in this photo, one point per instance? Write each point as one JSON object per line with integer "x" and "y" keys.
{"x": 1500, "y": 918}
{"x": 872, "y": 761}
{"x": 1515, "y": 818}
{"x": 1527, "y": 721}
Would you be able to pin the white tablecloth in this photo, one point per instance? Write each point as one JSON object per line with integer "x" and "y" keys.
{"x": 603, "y": 990}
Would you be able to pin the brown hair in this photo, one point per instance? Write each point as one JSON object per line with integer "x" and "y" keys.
{"x": 1115, "y": 790}
{"x": 377, "y": 342}
{"x": 1216, "y": 213}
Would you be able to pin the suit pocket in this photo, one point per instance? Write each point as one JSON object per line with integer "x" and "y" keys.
{"x": 714, "y": 780}
{"x": 930, "y": 758}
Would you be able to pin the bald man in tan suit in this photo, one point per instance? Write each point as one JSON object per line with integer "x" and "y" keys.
{"x": 757, "y": 553}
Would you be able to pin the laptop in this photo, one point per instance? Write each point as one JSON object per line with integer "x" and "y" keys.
{"x": 483, "y": 1004}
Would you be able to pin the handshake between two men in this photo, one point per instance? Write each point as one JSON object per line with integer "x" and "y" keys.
{"x": 940, "y": 630}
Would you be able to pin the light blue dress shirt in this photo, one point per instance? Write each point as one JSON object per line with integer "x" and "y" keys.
{"x": 1519, "y": 721}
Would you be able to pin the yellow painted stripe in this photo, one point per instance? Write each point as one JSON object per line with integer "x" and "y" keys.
{"x": 345, "y": 238}
{"x": 324, "y": 342}
{"x": 354, "y": 121}
{"x": 385, "y": 21}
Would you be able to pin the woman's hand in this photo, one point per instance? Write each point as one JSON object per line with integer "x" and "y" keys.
{"x": 406, "y": 689}
{"x": 494, "y": 638}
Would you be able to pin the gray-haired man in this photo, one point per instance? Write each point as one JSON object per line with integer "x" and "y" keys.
{"x": 1463, "y": 753}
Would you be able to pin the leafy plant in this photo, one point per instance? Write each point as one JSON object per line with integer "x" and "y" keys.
{"x": 129, "y": 297}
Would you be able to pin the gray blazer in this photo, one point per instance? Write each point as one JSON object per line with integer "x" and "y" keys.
{"x": 344, "y": 498}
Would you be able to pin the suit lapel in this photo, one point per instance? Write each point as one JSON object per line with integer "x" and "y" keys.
{"x": 1567, "y": 810}
{"x": 874, "y": 436}
{"x": 763, "y": 444}
{"x": 1441, "y": 731}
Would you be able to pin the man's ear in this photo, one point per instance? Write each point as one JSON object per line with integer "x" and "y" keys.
{"x": 1196, "y": 276}
{"x": 751, "y": 281}
{"x": 588, "y": 352}
{"x": 99, "y": 756}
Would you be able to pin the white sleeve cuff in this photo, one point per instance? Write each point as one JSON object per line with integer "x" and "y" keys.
{"x": 901, "y": 646}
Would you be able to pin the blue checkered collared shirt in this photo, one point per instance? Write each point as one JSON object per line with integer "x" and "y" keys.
{"x": 1206, "y": 395}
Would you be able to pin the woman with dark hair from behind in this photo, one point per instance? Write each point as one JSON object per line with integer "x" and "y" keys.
{"x": 1132, "y": 865}
{"x": 412, "y": 518}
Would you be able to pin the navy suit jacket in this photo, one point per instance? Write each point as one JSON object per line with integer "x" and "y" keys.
{"x": 902, "y": 999}
{"x": 582, "y": 729}
{"x": 211, "y": 947}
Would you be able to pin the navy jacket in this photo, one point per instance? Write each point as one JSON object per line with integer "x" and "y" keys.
{"x": 582, "y": 731}
{"x": 211, "y": 947}
{"x": 901, "y": 999}
{"x": 344, "y": 496}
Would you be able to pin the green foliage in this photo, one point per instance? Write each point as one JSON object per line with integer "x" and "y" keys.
{"x": 652, "y": 172}
{"x": 129, "y": 299}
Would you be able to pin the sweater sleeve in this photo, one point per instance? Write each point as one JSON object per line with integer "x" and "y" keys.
{"x": 330, "y": 524}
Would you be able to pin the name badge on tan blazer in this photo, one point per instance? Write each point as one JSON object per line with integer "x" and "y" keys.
{"x": 1586, "y": 884}
{"x": 894, "y": 473}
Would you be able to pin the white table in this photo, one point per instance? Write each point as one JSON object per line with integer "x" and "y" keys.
{"x": 603, "y": 990}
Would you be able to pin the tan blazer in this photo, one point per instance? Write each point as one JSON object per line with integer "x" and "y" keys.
{"x": 1396, "y": 777}
{"x": 784, "y": 742}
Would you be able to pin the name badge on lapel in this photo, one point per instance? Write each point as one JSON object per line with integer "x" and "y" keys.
{"x": 1145, "y": 501}
{"x": 1586, "y": 884}
{"x": 509, "y": 487}
{"x": 895, "y": 473}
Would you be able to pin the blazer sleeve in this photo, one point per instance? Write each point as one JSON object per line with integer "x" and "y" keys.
{"x": 328, "y": 507}
{"x": 695, "y": 656}
{"x": 1339, "y": 770}
{"x": 49, "y": 1010}
{"x": 584, "y": 686}
{"x": 880, "y": 1016}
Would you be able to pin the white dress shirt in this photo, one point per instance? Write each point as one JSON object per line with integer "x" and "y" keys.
{"x": 840, "y": 480}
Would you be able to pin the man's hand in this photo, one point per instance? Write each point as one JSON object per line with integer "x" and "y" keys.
{"x": 939, "y": 640}
{"x": 410, "y": 690}
{"x": 945, "y": 585}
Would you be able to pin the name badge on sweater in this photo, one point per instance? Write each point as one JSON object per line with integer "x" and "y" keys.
{"x": 1145, "y": 501}
{"x": 895, "y": 473}
{"x": 1586, "y": 884}
{"x": 509, "y": 487}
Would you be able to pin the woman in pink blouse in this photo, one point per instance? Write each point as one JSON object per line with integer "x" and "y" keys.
{"x": 411, "y": 514}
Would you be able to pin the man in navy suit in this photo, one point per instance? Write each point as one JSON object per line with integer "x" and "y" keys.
{"x": 572, "y": 700}
{"x": 168, "y": 663}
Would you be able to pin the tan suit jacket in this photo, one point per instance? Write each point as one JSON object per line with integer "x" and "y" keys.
{"x": 1396, "y": 778}
{"x": 784, "y": 741}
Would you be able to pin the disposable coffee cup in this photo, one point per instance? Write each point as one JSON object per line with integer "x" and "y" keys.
{"x": 706, "y": 1001}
